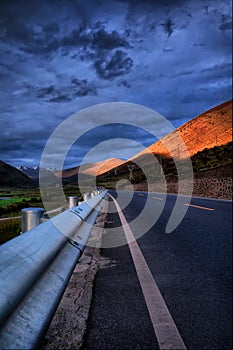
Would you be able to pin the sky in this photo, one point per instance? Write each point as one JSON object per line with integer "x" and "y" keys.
{"x": 58, "y": 57}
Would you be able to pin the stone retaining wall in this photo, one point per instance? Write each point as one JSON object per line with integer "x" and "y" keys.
{"x": 206, "y": 187}
{"x": 216, "y": 188}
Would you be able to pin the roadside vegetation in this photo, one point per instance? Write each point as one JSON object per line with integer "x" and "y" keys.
{"x": 12, "y": 201}
{"x": 9, "y": 229}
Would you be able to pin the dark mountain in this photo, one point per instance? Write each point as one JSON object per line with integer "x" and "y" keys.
{"x": 12, "y": 177}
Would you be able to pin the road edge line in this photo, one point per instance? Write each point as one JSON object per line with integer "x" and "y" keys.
{"x": 165, "y": 329}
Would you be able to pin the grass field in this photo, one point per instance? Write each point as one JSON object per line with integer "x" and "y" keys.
{"x": 12, "y": 204}
{"x": 5, "y": 202}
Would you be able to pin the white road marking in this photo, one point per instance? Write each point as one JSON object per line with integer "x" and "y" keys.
{"x": 158, "y": 198}
{"x": 164, "y": 326}
{"x": 198, "y": 206}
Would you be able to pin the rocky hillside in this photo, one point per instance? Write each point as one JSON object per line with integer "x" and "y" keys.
{"x": 209, "y": 129}
{"x": 208, "y": 139}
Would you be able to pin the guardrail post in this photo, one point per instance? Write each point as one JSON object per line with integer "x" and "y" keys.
{"x": 86, "y": 197}
{"x": 72, "y": 201}
{"x": 31, "y": 217}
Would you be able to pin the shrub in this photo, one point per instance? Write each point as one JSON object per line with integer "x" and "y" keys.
{"x": 9, "y": 229}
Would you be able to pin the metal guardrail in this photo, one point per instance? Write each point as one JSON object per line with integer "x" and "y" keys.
{"x": 35, "y": 269}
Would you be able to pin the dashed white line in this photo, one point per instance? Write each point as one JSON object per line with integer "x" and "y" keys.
{"x": 158, "y": 198}
{"x": 165, "y": 329}
{"x": 198, "y": 206}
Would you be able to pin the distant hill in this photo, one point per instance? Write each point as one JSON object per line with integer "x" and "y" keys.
{"x": 208, "y": 139}
{"x": 92, "y": 169}
{"x": 12, "y": 177}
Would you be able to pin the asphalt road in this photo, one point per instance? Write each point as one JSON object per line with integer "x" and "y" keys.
{"x": 192, "y": 267}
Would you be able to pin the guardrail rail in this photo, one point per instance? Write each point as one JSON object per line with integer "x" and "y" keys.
{"x": 35, "y": 269}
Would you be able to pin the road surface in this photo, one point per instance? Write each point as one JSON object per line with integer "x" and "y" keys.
{"x": 191, "y": 268}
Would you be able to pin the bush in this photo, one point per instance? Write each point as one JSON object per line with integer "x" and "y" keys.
{"x": 9, "y": 229}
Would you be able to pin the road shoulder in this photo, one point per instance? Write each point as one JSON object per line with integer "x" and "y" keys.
{"x": 69, "y": 324}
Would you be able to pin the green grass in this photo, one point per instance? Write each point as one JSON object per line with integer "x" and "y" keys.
{"x": 5, "y": 202}
{"x": 18, "y": 200}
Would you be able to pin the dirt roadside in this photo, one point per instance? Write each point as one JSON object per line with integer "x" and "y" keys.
{"x": 68, "y": 326}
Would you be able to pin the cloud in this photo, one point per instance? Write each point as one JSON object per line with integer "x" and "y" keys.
{"x": 226, "y": 23}
{"x": 59, "y": 56}
{"x": 94, "y": 37}
{"x": 76, "y": 88}
{"x": 168, "y": 26}
{"x": 102, "y": 47}
{"x": 45, "y": 91}
{"x": 116, "y": 64}
{"x": 83, "y": 88}
{"x": 167, "y": 49}
{"x": 103, "y": 40}
{"x": 125, "y": 83}
{"x": 60, "y": 98}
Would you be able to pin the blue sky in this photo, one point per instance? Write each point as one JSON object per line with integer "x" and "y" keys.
{"x": 58, "y": 57}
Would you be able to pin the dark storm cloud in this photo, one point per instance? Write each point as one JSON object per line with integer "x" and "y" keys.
{"x": 93, "y": 42}
{"x": 83, "y": 88}
{"x": 218, "y": 68}
{"x": 168, "y": 26}
{"x": 45, "y": 91}
{"x": 43, "y": 39}
{"x": 226, "y": 23}
{"x": 59, "y": 56}
{"x": 116, "y": 64}
{"x": 154, "y": 4}
{"x": 94, "y": 37}
{"x": 60, "y": 98}
{"x": 103, "y": 40}
{"x": 125, "y": 83}
{"x": 77, "y": 87}
{"x": 99, "y": 46}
